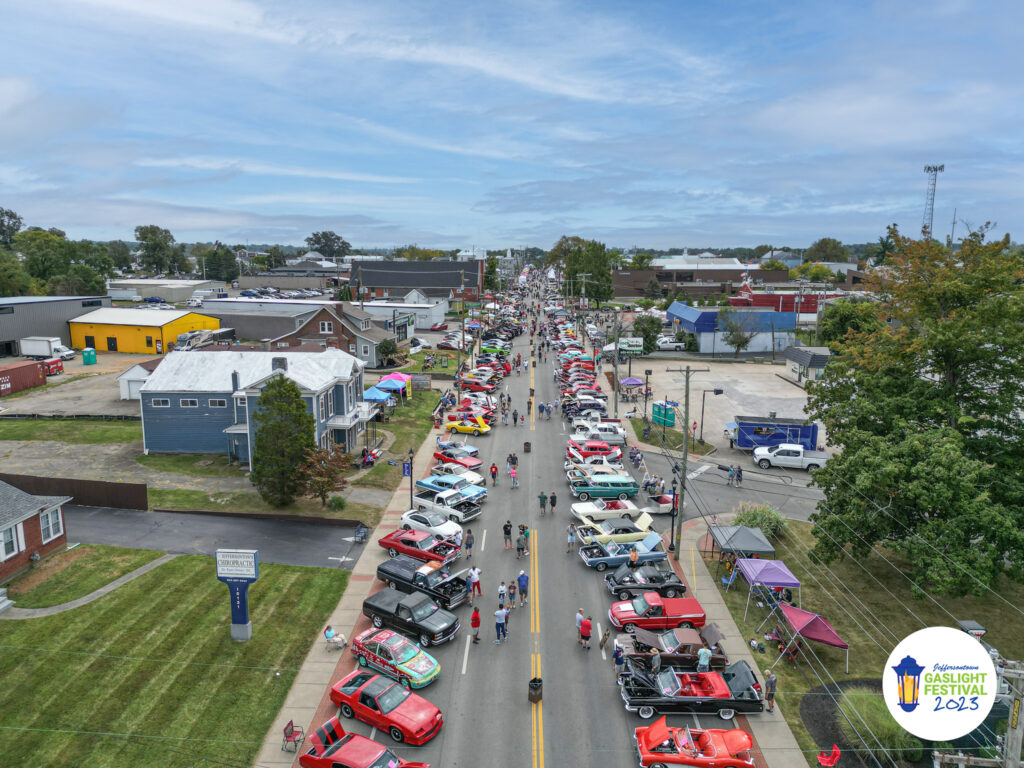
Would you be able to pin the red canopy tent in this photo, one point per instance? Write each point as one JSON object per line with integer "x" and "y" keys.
{"x": 813, "y": 627}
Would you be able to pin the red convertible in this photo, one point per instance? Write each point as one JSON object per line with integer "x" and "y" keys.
{"x": 439, "y": 327}
{"x": 457, "y": 456}
{"x": 661, "y": 744}
{"x": 474, "y": 386}
{"x": 332, "y": 747}
{"x": 652, "y": 611}
{"x": 387, "y": 706}
{"x": 589, "y": 448}
{"x": 421, "y": 545}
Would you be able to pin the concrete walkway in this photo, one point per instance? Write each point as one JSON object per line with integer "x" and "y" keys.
{"x": 35, "y": 613}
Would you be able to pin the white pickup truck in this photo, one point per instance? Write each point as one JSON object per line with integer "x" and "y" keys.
{"x": 789, "y": 456}
{"x": 609, "y": 433}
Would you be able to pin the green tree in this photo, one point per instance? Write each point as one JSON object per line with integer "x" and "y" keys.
{"x": 284, "y": 438}
{"x": 387, "y": 350}
{"x": 927, "y": 412}
{"x": 653, "y": 289}
{"x": 773, "y": 264}
{"x": 10, "y": 225}
{"x": 844, "y": 315}
{"x": 156, "y": 247}
{"x": 827, "y": 249}
{"x": 491, "y": 273}
{"x": 323, "y": 471}
{"x": 275, "y": 257}
{"x": 79, "y": 280}
{"x": 737, "y": 329}
{"x": 14, "y": 280}
{"x": 641, "y": 261}
{"x": 228, "y": 265}
{"x": 328, "y": 244}
{"x": 565, "y": 250}
{"x": 761, "y": 250}
{"x": 46, "y": 254}
{"x": 120, "y": 254}
{"x": 879, "y": 253}
{"x": 648, "y": 328}
{"x": 92, "y": 255}
{"x": 816, "y": 273}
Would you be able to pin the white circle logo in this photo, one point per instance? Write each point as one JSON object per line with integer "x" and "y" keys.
{"x": 939, "y": 683}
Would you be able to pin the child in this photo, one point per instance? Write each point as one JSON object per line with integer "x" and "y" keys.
{"x": 512, "y": 594}
{"x": 502, "y": 593}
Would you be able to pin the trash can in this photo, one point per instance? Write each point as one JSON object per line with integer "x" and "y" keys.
{"x": 535, "y": 362}
{"x": 88, "y": 356}
{"x": 536, "y": 689}
{"x": 526, "y": 447}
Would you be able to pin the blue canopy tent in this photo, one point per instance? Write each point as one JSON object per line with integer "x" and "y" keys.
{"x": 374, "y": 395}
{"x": 391, "y": 385}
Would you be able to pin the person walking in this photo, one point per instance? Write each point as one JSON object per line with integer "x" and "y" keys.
{"x": 502, "y": 595}
{"x": 500, "y": 616}
{"x": 470, "y": 540}
{"x": 524, "y": 588}
{"x": 508, "y": 464}
{"x": 506, "y": 529}
{"x": 494, "y": 474}
{"x": 585, "y": 629}
{"x": 704, "y": 659}
{"x": 571, "y": 537}
{"x": 520, "y": 545}
{"x": 579, "y": 623}
{"x": 515, "y": 480}
{"x": 552, "y": 500}
{"x": 543, "y": 500}
{"x": 731, "y": 480}
{"x": 739, "y": 476}
{"x": 515, "y": 417}
{"x": 618, "y": 660}
{"x": 770, "y": 683}
{"x": 512, "y": 595}
{"x": 473, "y": 583}
{"x": 474, "y": 623}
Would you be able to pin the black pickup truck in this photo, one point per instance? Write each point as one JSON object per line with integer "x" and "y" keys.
{"x": 415, "y": 615}
{"x": 406, "y": 574}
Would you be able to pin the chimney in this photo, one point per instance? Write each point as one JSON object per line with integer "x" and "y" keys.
{"x": 265, "y": 345}
{"x": 279, "y": 364}
{"x": 234, "y": 381}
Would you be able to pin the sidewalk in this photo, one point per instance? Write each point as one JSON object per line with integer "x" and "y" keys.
{"x": 773, "y": 738}
{"x": 307, "y": 702}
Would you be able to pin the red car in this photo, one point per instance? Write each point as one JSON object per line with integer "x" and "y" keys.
{"x": 439, "y": 327}
{"x": 387, "y": 706}
{"x": 661, "y": 744}
{"x": 333, "y": 747}
{"x": 457, "y": 456}
{"x": 419, "y": 544}
{"x": 474, "y": 386}
{"x": 487, "y": 414}
{"x": 589, "y": 448}
{"x": 652, "y": 611}
{"x": 448, "y": 345}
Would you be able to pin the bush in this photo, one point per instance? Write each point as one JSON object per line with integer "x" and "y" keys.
{"x": 337, "y": 503}
{"x": 874, "y": 717}
{"x": 763, "y": 516}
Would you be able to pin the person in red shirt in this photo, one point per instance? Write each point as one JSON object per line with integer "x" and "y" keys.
{"x": 474, "y": 622}
{"x": 585, "y": 627}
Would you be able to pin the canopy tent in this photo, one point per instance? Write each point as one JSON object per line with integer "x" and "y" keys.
{"x": 374, "y": 395}
{"x": 739, "y": 539}
{"x": 766, "y": 573}
{"x": 391, "y": 385}
{"x": 631, "y": 381}
{"x": 397, "y": 376}
{"x": 474, "y": 324}
{"x": 813, "y": 627}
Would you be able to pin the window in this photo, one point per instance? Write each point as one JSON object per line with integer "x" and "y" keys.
{"x": 9, "y": 543}
{"x": 323, "y": 407}
{"x": 50, "y": 524}
{"x": 161, "y": 402}
{"x": 6, "y": 310}
{"x": 218, "y": 403}
{"x": 352, "y": 348}
{"x": 366, "y": 350}
{"x": 92, "y": 303}
{"x": 188, "y": 403}
{"x": 282, "y": 344}
{"x": 149, "y": 341}
{"x": 385, "y": 292}
{"x": 326, "y": 326}
{"x": 330, "y": 403}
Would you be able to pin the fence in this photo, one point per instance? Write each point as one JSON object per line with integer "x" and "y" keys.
{"x": 90, "y": 493}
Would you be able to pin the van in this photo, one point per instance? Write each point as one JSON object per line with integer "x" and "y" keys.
{"x": 605, "y": 487}
{"x": 194, "y": 302}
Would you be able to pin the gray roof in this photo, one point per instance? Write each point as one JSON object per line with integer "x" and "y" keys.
{"x": 741, "y": 538}
{"x": 41, "y": 299}
{"x": 809, "y": 357}
{"x": 414, "y": 274}
{"x": 17, "y": 506}
{"x": 202, "y": 371}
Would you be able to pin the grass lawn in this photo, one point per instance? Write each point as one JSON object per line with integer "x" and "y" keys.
{"x": 673, "y": 438}
{"x": 251, "y": 502}
{"x": 410, "y": 423}
{"x": 75, "y": 573}
{"x": 81, "y": 431}
{"x": 871, "y": 643}
{"x": 207, "y": 465}
{"x": 416, "y": 361}
{"x": 159, "y": 671}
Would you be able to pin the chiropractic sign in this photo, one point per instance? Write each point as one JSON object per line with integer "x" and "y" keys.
{"x": 238, "y": 568}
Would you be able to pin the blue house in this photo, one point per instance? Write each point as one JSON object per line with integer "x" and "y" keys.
{"x": 770, "y": 330}
{"x": 200, "y": 401}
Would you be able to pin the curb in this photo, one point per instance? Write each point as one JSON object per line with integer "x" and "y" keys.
{"x": 334, "y": 521}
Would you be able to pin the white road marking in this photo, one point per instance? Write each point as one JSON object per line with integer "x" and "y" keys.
{"x": 700, "y": 470}
{"x": 465, "y": 654}
{"x": 341, "y": 559}
{"x": 373, "y": 733}
{"x": 600, "y": 634}
{"x": 483, "y": 540}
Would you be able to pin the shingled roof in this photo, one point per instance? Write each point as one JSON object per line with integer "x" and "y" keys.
{"x": 17, "y": 506}
{"x": 414, "y": 274}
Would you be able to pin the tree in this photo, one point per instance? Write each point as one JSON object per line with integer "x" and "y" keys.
{"x": 79, "y": 280}
{"x": 737, "y": 329}
{"x": 491, "y": 273}
{"x": 10, "y": 225}
{"x": 844, "y": 315}
{"x": 653, "y": 289}
{"x": 641, "y": 261}
{"x": 46, "y": 255}
{"x": 648, "y": 328}
{"x": 566, "y": 249}
{"x": 328, "y": 244}
{"x": 816, "y": 273}
{"x": 92, "y": 255}
{"x": 227, "y": 265}
{"x": 14, "y": 280}
{"x": 322, "y": 471}
{"x": 761, "y": 250}
{"x": 827, "y": 249}
{"x": 156, "y": 247}
{"x": 879, "y": 253}
{"x": 284, "y": 437}
{"x": 120, "y": 254}
{"x": 586, "y": 268}
{"x": 387, "y": 350}
{"x": 773, "y": 264}
{"x": 275, "y": 257}
{"x": 927, "y": 411}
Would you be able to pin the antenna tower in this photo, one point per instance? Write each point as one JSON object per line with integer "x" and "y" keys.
{"x": 933, "y": 172}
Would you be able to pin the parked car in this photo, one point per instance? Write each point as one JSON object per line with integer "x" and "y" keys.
{"x": 387, "y": 706}
{"x": 625, "y": 581}
{"x": 659, "y": 744}
{"x": 614, "y": 529}
{"x": 456, "y": 470}
{"x": 457, "y": 456}
{"x": 474, "y": 426}
{"x": 652, "y": 611}
{"x": 439, "y": 327}
{"x": 789, "y": 455}
{"x": 588, "y": 448}
{"x": 470, "y": 450}
{"x": 387, "y": 651}
{"x": 332, "y": 746}
{"x": 620, "y": 487}
{"x": 432, "y": 522}
{"x": 475, "y": 494}
{"x": 671, "y": 691}
{"x": 604, "y": 509}
{"x": 677, "y": 647}
{"x": 413, "y": 614}
{"x": 612, "y": 555}
{"x": 419, "y": 544}
{"x": 669, "y": 343}
{"x": 154, "y": 300}
{"x": 406, "y": 574}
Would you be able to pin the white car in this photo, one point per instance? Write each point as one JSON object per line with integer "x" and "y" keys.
{"x": 481, "y": 399}
{"x": 431, "y": 522}
{"x": 459, "y": 471}
{"x": 600, "y": 509}
{"x": 590, "y": 461}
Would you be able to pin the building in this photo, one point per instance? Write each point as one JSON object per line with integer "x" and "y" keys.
{"x": 796, "y": 298}
{"x": 22, "y": 316}
{"x": 341, "y": 326}
{"x": 770, "y": 331}
{"x": 172, "y": 291}
{"x": 131, "y": 381}
{"x": 694, "y": 277}
{"x": 199, "y": 401}
{"x": 415, "y": 315}
{"x": 806, "y": 363}
{"x": 136, "y": 330}
{"x": 258, "y": 325}
{"x": 30, "y": 528}
{"x": 389, "y": 279}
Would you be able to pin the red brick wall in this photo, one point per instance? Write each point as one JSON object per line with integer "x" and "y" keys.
{"x": 33, "y": 543}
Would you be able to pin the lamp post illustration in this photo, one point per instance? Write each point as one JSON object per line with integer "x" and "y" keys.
{"x": 908, "y": 683}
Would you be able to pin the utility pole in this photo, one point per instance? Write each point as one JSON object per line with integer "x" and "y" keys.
{"x": 678, "y": 533}
{"x": 462, "y": 322}
{"x": 615, "y": 363}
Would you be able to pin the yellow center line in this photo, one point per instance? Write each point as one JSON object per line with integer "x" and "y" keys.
{"x": 537, "y": 710}
{"x": 533, "y": 406}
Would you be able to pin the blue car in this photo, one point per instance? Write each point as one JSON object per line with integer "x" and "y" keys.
{"x": 249, "y": 293}
{"x": 154, "y": 300}
{"x": 466, "y": 489}
{"x": 471, "y": 450}
{"x": 612, "y": 555}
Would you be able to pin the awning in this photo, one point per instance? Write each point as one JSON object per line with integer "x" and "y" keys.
{"x": 390, "y": 385}
{"x": 375, "y": 395}
{"x": 765, "y": 573}
{"x": 397, "y": 377}
{"x": 630, "y": 381}
{"x": 813, "y": 627}
{"x": 740, "y": 539}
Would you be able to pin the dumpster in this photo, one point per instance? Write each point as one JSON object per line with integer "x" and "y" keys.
{"x": 88, "y": 356}
{"x": 536, "y": 689}
{"x": 526, "y": 447}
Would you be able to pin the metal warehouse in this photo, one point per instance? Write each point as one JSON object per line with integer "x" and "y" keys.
{"x": 22, "y": 316}
{"x": 168, "y": 290}
{"x": 136, "y": 330}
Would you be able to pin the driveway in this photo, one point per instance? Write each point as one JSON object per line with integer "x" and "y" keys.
{"x": 95, "y": 395}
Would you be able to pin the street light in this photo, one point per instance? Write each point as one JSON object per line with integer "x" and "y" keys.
{"x": 411, "y": 454}
{"x": 717, "y": 392}
{"x": 647, "y": 389}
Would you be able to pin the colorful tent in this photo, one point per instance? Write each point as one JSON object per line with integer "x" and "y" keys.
{"x": 814, "y": 627}
{"x": 740, "y": 539}
{"x": 766, "y": 573}
{"x": 631, "y": 381}
{"x": 398, "y": 376}
{"x": 374, "y": 395}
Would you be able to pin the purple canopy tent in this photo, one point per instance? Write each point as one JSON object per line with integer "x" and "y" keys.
{"x": 766, "y": 573}
{"x": 813, "y": 627}
{"x": 631, "y": 381}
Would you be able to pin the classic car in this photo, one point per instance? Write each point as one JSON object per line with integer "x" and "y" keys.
{"x": 474, "y": 386}
{"x": 659, "y": 504}
{"x": 400, "y": 659}
{"x": 614, "y": 529}
{"x": 332, "y": 746}
{"x": 581, "y": 472}
{"x": 451, "y": 345}
{"x": 575, "y": 461}
{"x": 430, "y": 522}
{"x": 419, "y": 544}
{"x": 625, "y": 582}
{"x": 454, "y": 481}
{"x": 457, "y": 456}
{"x": 387, "y": 706}
{"x": 414, "y": 614}
{"x": 473, "y": 426}
{"x": 612, "y": 555}
{"x": 470, "y": 450}
{"x": 457, "y": 470}
{"x": 652, "y": 611}
{"x": 676, "y": 647}
{"x": 671, "y": 691}
{"x": 589, "y": 448}
{"x": 439, "y": 327}
{"x": 659, "y": 744}
{"x": 605, "y": 509}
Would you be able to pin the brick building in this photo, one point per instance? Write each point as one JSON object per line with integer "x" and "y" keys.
{"x": 30, "y": 527}
{"x": 389, "y": 279}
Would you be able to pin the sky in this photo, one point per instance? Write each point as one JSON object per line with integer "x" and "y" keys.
{"x": 504, "y": 124}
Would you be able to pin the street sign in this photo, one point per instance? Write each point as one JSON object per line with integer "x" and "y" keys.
{"x": 238, "y": 568}
{"x": 631, "y": 345}
{"x": 406, "y": 469}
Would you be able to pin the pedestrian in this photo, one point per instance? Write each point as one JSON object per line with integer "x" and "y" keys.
{"x": 520, "y": 545}
{"x": 522, "y": 419}
{"x": 585, "y": 629}
{"x": 500, "y": 616}
{"x": 474, "y": 623}
{"x": 524, "y": 588}
{"x": 543, "y": 500}
{"x": 525, "y": 530}
{"x": 655, "y": 661}
{"x": 457, "y": 539}
{"x": 579, "y": 622}
{"x": 512, "y": 595}
{"x": 739, "y": 476}
{"x": 515, "y": 481}
{"x": 508, "y": 464}
{"x": 540, "y": 410}
{"x": 473, "y": 579}
{"x": 704, "y": 659}
{"x": 571, "y": 531}
{"x": 515, "y": 460}
{"x": 618, "y": 659}
{"x": 507, "y": 531}
{"x": 558, "y": 402}
{"x": 634, "y": 557}
{"x": 731, "y": 480}
{"x": 504, "y": 416}
{"x": 494, "y": 474}
{"x": 661, "y": 486}
{"x": 469, "y": 543}
{"x": 515, "y": 416}
{"x": 552, "y": 500}
{"x": 770, "y": 682}
{"x": 502, "y": 595}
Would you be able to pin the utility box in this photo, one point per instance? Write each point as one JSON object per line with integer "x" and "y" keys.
{"x": 662, "y": 413}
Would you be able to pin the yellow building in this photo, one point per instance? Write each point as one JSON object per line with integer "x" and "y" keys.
{"x": 113, "y": 329}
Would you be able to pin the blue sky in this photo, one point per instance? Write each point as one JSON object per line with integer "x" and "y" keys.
{"x": 503, "y": 124}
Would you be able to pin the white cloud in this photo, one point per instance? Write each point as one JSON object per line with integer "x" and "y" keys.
{"x": 267, "y": 169}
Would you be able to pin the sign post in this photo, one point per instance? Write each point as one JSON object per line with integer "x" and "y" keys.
{"x": 238, "y": 568}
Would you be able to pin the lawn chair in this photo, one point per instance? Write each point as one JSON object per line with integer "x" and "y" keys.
{"x": 335, "y": 642}
{"x": 728, "y": 580}
{"x": 294, "y": 735}
{"x": 830, "y": 759}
